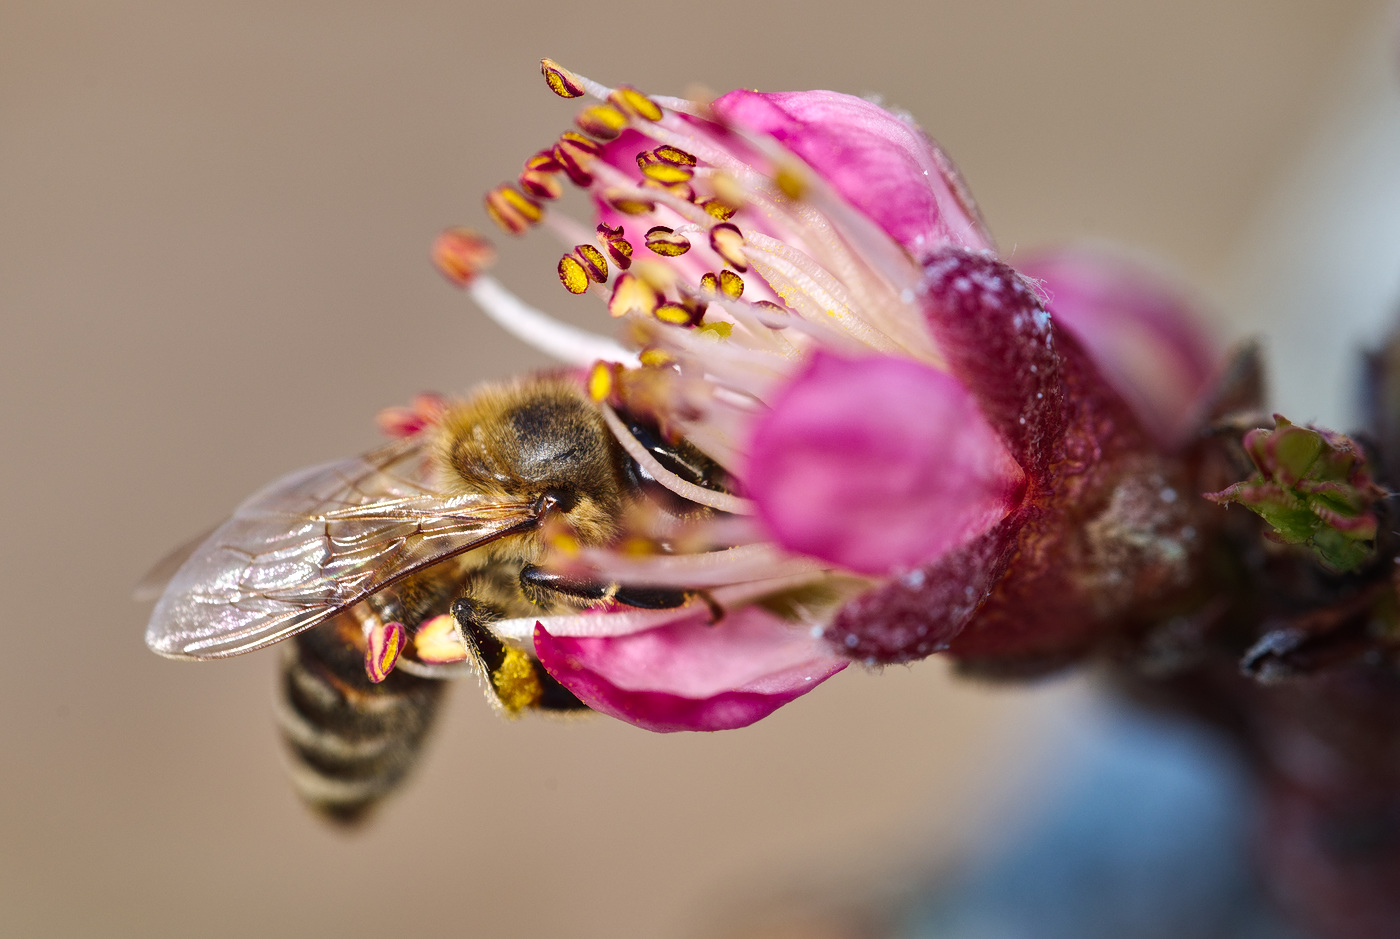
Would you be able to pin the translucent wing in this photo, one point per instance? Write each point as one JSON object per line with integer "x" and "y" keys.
{"x": 316, "y": 543}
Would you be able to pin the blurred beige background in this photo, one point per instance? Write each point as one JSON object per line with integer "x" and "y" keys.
{"x": 214, "y": 221}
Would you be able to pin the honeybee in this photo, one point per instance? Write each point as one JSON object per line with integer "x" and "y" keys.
{"x": 441, "y": 530}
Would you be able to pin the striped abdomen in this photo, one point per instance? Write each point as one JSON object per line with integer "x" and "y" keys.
{"x": 351, "y": 741}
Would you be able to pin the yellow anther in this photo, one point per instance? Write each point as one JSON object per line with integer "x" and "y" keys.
{"x": 667, "y": 243}
{"x": 637, "y": 546}
{"x": 572, "y": 274}
{"x": 676, "y": 314}
{"x": 436, "y": 642}
{"x": 732, "y": 284}
{"x": 383, "y": 645}
{"x": 635, "y": 104}
{"x": 512, "y": 210}
{"x": 561, "y": 81}
{"x": 709, "y": 284}
{"x": 729, "y": 190}
{"x": 565, "y": 543}
{"x": 656, "y": 358}
{"x": 720, "y": 329}
{"x": 718, "y": 209}
{"x": 601, "y": 381}
{"x": 728, "y": 243}
{"x": 578, "y": 143}
{"x": 674, "y": 155}
{"x": 660, "y": 276}
{"x": 575, "y": 153}
{"x": 543, "y": 162}
{"x": 618, "y": 247}
{"x": 602, "y": 121}
{"x": 628, "y": 204}
{"x": 594, "y": 264}
{"x": 792, "y": 181}
{"x": 680, "y": 190}
{"x": 631, "y": 294}
{"x": 461, "y": 254}
{"x": 775, "y": 313}
{"x": 653, "y": 167}
{"x": 541, "y": 185}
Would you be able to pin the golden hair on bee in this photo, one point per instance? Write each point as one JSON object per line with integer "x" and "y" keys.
{"x": 540, "y": 437}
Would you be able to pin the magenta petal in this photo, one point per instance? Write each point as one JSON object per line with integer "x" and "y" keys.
{"x": 691, "y": 675}
{"x": 877, "y": 464}
{"x": 882, "y": 164}
{"x": 1140, "y": 330}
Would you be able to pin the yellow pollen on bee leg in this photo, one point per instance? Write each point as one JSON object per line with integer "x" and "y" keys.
{"x": 573, "y": 275}
{"x": 560, "y": 80}
{"x": 516, "y": 683}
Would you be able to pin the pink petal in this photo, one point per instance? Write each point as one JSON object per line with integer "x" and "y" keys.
{"x": 999, "y": 342}
{"x": 882, "y": 164}
{"x": 691, "y": 675}
{"x": 878, "y": 464}
{"x": 1141, "y": 331}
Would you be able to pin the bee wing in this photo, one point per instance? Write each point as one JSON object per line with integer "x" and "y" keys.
{"x": 158, "y": 577}
{"x": 316, "y": 543}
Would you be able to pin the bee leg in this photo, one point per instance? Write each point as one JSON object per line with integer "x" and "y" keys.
{"x": 351, "y": 741}
{"x": 535, "y": 579}
{"x": 517, "y": 680}
{"x": 716, "y": 611}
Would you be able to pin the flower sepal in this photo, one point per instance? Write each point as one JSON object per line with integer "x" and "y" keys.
{"x": 1313, "y": 487}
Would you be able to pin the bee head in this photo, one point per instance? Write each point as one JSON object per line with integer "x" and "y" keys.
{"x": 540, "y": 442}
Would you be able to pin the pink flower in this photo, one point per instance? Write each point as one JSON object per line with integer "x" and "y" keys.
{"x": 1142, "y": 330}
{"x": 917, "y": 458}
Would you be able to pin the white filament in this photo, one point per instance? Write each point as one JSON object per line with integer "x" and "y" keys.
{"x": 520, "y": 631}
{"x": 722, "y": 501}
{"x": 553, "y": 338}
